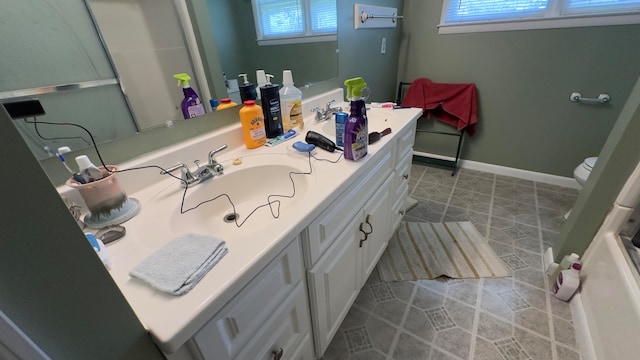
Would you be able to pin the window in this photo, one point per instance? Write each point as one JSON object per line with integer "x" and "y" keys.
{"x": 294, "y": 21}
{"x": 496, "y": 15}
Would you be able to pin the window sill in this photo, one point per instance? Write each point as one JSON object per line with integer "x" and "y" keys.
{"x": 533, "y": 24}
{"x": 297, "y": 40}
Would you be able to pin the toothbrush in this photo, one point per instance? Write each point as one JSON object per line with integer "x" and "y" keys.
{"x": 61, "y": 151}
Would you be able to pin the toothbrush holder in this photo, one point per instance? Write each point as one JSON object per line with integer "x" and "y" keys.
{"x": 101, "y": 196}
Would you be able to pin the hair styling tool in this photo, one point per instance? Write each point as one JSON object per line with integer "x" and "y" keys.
{"x": 321, "y": 141}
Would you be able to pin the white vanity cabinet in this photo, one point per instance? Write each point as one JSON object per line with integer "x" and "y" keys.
{"x": 404, "y": 156}
{"x": 270, "y": 315}
{"x": 292, "y": 307}
{"x": 343, "y": 245}
{"x": 335, "y": 280}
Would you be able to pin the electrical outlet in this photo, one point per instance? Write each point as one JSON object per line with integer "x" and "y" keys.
{"x": 383, "y": 46}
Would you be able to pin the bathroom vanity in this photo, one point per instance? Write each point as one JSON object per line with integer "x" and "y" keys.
{"x": 288, "y": 281}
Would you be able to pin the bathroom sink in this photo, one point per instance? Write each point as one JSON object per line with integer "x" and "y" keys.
{"x": 247, "y": 197}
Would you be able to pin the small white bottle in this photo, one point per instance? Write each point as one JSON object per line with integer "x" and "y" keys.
{"x": 567, "y": 282}
{"x": 565, "y": 264}
{"x": 290, "y": 103}
{"x": 87, "y": 170}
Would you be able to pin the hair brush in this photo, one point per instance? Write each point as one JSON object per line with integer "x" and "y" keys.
{"x": 375, "y": 136}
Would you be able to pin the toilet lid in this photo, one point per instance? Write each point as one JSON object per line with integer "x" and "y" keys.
{"x": 590, "y": 162}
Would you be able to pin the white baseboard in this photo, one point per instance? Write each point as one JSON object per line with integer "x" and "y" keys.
{"x": 581, "y": 326}
{"x": 550, "y": 266}
{"x": 508, "y": 171}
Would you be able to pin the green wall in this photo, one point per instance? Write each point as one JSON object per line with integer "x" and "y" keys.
{"x": 359, "y": 51}
{"x": 618, "y": 159}
{"x": 524, "y": 80}
{"x": 53, "y": 286}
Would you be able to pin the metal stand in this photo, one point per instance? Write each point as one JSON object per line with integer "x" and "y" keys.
{"x": 451, "y": 164}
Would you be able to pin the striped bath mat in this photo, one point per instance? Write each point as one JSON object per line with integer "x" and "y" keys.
{"x": 429, "y": 250}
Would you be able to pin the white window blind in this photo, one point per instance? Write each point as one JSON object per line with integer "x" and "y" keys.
{"x": 324, "y": 16}
{"x": 600, "y": 6}
{"x": 278, "y": 19}
{"x": 497, "y": 15}
{"x": 483, "y": 10}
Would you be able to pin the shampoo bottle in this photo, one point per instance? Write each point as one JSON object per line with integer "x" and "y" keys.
{"x": 252, "y": 121}
{"x": 271, "y": 108}
{"x": 567, "y": 282}
{"x": 291, "y": 101}
{"x": 191, "y": 104}
{"x": 247, "y": 89}
{"x": 356, "y": 133}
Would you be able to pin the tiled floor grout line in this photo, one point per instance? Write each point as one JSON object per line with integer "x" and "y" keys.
{"x": 453, "y": 188}
{"x": 554, "y": 352}
{"x": 407, "y": 309}
{"x": 476, "y": 314}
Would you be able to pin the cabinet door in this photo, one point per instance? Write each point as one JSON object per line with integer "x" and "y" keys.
{"x": 377, "y": 223}
{"x": 281, "y": 336}
{"x": 334, "y": 283}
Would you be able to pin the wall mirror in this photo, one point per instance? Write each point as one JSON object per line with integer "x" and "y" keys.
{"x": 49, "y": 43}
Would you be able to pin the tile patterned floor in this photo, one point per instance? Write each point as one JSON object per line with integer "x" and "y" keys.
{"x": 486, "y": 319}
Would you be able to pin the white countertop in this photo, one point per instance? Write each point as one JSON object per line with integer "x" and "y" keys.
{"x": 172, "y": 320}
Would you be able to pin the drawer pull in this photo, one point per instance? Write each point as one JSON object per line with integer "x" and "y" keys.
{"x": 232, "y": 325}
{"x": 277, "y": 354}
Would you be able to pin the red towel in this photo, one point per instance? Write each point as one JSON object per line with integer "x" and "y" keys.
{"x": 454, "y": 104}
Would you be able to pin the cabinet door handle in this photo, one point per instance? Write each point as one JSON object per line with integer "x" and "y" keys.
{"x": 366, "y": 235}
{"x": 405, "y": 176}
{"x": 366, "y": 221}
{"x": 232, "y": 326}
{"x": 277, "y": 354}
{"x": 401, "y": 212}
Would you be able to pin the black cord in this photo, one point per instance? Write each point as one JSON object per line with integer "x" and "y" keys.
{"x": 275, "y": 213}
{"x": 93, "y": 141}
{"x": 35, "y": 126}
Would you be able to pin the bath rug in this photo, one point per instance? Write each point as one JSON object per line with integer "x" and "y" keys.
{"x": 429, "y": 250}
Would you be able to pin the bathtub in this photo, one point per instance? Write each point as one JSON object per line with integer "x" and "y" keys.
{"x": 606, "y": 310}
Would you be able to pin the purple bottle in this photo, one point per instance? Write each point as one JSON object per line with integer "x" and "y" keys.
{"x": 191, "y": 104}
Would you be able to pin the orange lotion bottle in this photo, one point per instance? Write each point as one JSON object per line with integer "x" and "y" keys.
{"x": 252, "y": 120}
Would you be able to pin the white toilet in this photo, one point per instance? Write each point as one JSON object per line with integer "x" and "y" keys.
{"x": 581, "y": 174}
{"x": 582, "y": 171}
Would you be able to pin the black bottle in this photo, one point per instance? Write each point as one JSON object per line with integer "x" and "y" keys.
{"x": 271, "y": 108}
{"x": 247, "y": 90}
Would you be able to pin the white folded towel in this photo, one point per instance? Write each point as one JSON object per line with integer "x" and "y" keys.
{"x": 178, "y": 266}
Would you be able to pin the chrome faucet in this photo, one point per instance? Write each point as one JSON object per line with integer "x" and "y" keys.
{"x": 327, "y": 112}
{"x": 202, "y": 173}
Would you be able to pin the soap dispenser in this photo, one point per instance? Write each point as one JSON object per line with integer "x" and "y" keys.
{"x": 271, "y": 107}
{"x": 247, "y": 89}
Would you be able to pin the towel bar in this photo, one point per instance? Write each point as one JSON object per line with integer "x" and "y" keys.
{"x": 601, "y": 99}
{"x": 364, "y": 17}
{"x": 451, "y": 164}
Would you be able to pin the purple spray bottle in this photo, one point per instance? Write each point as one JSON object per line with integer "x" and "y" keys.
{"x": 191, "y": 104}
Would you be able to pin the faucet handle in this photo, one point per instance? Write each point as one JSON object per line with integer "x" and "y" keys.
{"x": 213, "y": 152}
{"x": 329, "y": 104}
{"x": 319, "y": 113}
